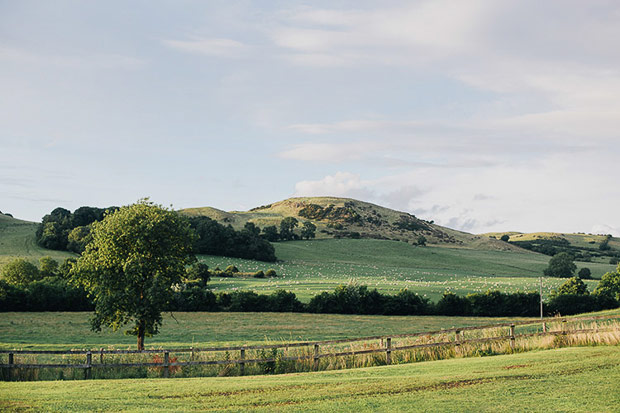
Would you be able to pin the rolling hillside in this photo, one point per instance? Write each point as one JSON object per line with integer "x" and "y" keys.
{"x": 595, "y": 247}
{"x": 17, "y": 240}
{"x": 350, "y": 218}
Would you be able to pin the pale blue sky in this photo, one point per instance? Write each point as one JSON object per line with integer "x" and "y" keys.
{"x": 482, "y": 115}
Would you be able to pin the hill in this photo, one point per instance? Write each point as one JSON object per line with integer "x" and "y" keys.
{"x": 17, "y": 240}
{"x": 585, "y": 247}
{"x": 310, "y": 267}
{"x": 350, "y": 218}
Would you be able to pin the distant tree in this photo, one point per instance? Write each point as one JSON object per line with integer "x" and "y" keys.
{"x": 308, "y": 230}
{"x": 585, "y": 273}
{"x": 605, "y": 244}
{"x": 609, "y": 286}
{"x": 614, "y": 260}
{"x": 231, "y": 269}
{"x": 64, "y": 270}
{"x": 48, "y": 267}
{"x": 217, "y": 239}
{"x": 573, "y": 286}
{"x": 505, "y": 238}
{"x": 78, "y": 238}
{"x": 421, "y": 240}
{"x": 287, "y": 225}
{"x": 270, "y": 233}
{"x": 137, "y": 254}
{"x": 259, "y": 274}
{"x": 86, "y": 215}
{"x": 20, "y": 272}
{"x": 198, "y": 271}
{"x": 561, "y": 265}
{"x": 251, "y": 228}
{"x": 54, "y": 228}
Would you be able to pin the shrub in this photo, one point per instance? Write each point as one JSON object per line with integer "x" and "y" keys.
{"x": 573, "y": 286}
{"x": 505, "y": 238}
{"x": 259, "y": 274}
{"x": 271, "y": 273}
{"x": 585, "y": 273}
{"x": 567, "y": 304}
{"x": 20, "y": 272}
{"x": 231, "y": 269}
{"x": 452, "y": 304}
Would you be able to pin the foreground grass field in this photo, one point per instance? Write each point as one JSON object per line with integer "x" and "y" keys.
{"x": 310, "y": 267}
{"x": 579, "y": 379}
{"x": 50, "y": 331}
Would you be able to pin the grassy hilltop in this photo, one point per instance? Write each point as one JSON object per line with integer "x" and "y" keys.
{"x": 17, "y": 240}
{"x": 347, "y": 218}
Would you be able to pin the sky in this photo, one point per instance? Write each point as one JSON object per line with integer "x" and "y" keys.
{"x": 482, "y": 115}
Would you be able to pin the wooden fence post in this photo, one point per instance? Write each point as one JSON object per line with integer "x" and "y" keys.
{"x": 564, "y": 326}
{"x": 316, "y": 357}
{"x": 512, "y": 336}
{"x": 89, "y": 362}
{"x": 242, "y": 364}
{"x": 101, "y": 356}
{"x": 166, "y": 364}
{"x": 544, "y": 327}
{"x": 11, "y": 362}
{"x": 388, "y": 350}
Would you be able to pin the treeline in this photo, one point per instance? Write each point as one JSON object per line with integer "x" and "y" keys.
{"x": 555, "y": 245}
{"x": 214, "y": 238}
{"x": 66, "y": 231}
{"x": 57, "y": 294}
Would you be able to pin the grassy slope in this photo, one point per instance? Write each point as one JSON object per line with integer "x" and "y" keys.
{"x": 585, "y": 241}
{"x": 309, "y": 267}
{"x": 17, "y": 241}
{"x": 72, "y": 330}
{"x": 569, "y": 380}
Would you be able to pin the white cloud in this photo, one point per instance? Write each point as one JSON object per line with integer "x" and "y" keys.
{"x": 216, "y": 47}
{"x": 341, "y": 184}
{"x": 65, "y": 61}
{"x": 327, "y": 152}
{"x": 532, "y": 196}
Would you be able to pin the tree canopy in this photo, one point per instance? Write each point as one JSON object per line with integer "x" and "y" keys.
{"x": 20, "y": 272}
{"x": 609, "y": 285}
{"x": 136, "y": 255}
{"x": 561, "y": 265}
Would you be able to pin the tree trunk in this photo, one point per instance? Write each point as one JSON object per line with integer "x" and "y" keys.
{"x": 140, "y": 336}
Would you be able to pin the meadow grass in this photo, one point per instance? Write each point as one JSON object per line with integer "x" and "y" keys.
{"x": 311, "y": 267}
{"x": 17, "y": 240}
{"x": 573, "y": 379}
{"x": 63, "y": 330}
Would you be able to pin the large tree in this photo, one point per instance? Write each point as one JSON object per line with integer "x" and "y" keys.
{"x": 136, "y": 255}
{"x": 561, "y": 265}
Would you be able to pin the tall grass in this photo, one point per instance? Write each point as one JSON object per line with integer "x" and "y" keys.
{"x": 277, "y": 360}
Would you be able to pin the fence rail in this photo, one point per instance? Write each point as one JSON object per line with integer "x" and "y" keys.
{"x": 316, "y": 354}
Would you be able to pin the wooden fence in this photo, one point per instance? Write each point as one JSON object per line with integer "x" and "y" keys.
{"x": 315, "y": 355}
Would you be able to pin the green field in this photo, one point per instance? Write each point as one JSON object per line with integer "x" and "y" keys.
{"x": 49, "y": 331}
{"x": 310, "y": 267}
{"x": 579, "y": 379}
{"x": 17, "y": 240}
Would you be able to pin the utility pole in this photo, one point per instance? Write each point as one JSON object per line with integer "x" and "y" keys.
{"x": 541, "y": 302}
